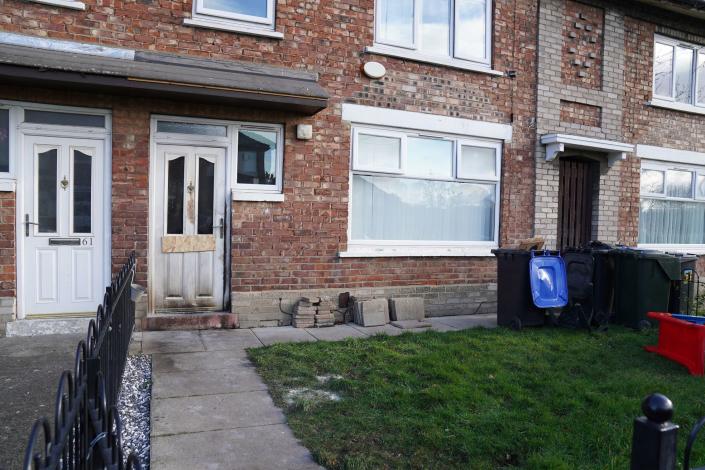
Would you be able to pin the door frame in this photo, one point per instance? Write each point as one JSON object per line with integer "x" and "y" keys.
{"x": 226, "y": 143}
{"x": 25, "y": 130}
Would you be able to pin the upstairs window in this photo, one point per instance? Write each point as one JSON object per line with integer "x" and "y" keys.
{"x": 679, "y": 72}
{"x": 247, "y": 16}
{"x": 444, "y": 30}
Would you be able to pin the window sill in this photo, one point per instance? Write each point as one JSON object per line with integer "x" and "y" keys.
{"x": 63, "y": 3}
{"x": 386, "y": 251}
{"x": 7, "y": 185}
{"x": 255, "y": 197}
{"x": 415, "y": 56}
{"x": 229, "y": 26}
{"x": 672, "y": 105}
{"x": 687, "y": 249}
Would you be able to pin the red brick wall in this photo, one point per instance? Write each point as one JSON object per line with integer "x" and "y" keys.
{"x": 645, "y": 124}
{"x": 580, "y": 113}
{"x": 583, "y": 42}
{"x": 7, "y": 244}
{"x": 294, "y": 244}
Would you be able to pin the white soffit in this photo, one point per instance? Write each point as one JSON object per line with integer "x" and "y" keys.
{"x": 425, "y": 122}
{"x": 558, "y": 143}
{"x": 650, "y": 152}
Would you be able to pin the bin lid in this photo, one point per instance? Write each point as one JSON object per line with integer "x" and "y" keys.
{"x": 549, "y": 285}
{"x": 510, "y": 251}
{"x": 690, "y": 318}
{"x": 669, "y": 264}
{"x": 684, "y": 257}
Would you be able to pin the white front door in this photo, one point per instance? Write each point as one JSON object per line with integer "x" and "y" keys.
{"x": 62, "y": 225}
{"x": 189, "y": 227}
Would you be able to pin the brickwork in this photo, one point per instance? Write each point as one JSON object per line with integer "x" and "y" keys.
{"x": 293, "y": 245}
{"x": 553, "y": 18}
{"x": 581, "y": 114}
{"x": 583, "y": 43}
{"x": 263, "y": 308}
{"x": 7, "y": 245}
{"x": 645, "y": 124}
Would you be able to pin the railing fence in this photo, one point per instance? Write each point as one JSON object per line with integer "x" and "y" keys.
{"x": 86, "y": 431}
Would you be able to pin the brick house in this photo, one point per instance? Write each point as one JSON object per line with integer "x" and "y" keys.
{"x": 257, "y": 151}
{"x": 620, "y": 146}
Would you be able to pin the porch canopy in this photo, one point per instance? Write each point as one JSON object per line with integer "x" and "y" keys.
{"x": 66, "y": 64}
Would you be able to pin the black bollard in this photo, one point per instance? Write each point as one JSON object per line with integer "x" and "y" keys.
{"x": 655, "y": 436}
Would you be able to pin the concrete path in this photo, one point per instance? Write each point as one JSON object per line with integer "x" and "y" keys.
{"x": 30, "y": 368}
{"x": 210, "y": 409}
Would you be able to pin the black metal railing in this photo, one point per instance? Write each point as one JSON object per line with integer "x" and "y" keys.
{"x": 690, "y": 294}
{"x": 655, "y": 437}
{"x": 86, "y": 431}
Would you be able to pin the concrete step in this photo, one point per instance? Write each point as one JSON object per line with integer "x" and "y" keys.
{"x": 189, "y": 321}
{"x": 47, "y": 326}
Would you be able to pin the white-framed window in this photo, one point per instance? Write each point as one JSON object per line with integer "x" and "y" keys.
{"x": 247, "y": 16}
{"x": 672, "y": 208}
{"x": 5, "y": 136}
{"x": 71, "y": 4}
{"x": 260, "y": 158}
{"x": 256, "y": 151}
{"x": 451, "y": 32}
{"x": 679, "y": 72}
{"x": 416, "y": 193}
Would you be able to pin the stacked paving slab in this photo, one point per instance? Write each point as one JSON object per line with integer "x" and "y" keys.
{"x": 310, "y": 313}
{"x": 374, "y": 312}
{"x": 325, "y": 314}
{"x": 304, "y": 314}
{"x": 408, "y": 312}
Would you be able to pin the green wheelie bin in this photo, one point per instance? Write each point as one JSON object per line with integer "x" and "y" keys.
{"x": 643, "y": 281}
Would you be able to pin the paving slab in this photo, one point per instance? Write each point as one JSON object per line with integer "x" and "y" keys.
{"x": 411, "y": 324}
{"x": 206, "y": 382}
{"x": 439, "y": 326}
{"x": 406, "y": 308}
{"x": 377, "y": 330}
{"x": 171, "y": 342}
{"x": 208, "y": 360}
{"x": 282, "y": 334}
{"x": 253, "y": 448}
{"x": 30, "y": 368}
{"x": 222, "y": 340}
{"x": 214, "y": 413}
{"x": 464, "y": 322}
{"x": 335, "y": 333}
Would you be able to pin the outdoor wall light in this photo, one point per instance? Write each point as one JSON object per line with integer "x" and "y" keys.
{"x": 374, "y": 70}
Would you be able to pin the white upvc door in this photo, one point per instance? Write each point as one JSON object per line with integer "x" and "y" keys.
{"x": 62, "y": 225}
{"x": 189, "y": 227}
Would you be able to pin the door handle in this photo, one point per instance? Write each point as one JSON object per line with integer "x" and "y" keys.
{"x": 27, "y": 223}
{"x": 221, "y": 227}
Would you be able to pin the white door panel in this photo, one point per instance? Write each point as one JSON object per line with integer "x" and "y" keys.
{"x": 191, "y": 214}
{"x": 62, "y": 225}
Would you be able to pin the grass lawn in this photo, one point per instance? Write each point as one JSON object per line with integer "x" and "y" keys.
{"x": 539, "y": 398}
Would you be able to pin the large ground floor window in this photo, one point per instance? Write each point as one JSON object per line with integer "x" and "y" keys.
{"x": 427, "y": 191}
{"x": 672, "y": 205}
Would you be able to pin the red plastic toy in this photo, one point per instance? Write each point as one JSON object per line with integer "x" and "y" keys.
{"x": 680, "y": 341}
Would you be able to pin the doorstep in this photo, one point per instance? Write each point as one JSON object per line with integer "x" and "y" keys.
{"x": 47, "y": 326}
{"x": 206, "y": 320}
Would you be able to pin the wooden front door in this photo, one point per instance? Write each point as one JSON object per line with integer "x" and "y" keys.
{"x": 578, "y": 178}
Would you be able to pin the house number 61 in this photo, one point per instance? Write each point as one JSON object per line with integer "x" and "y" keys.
{"x": 86, "y": 242}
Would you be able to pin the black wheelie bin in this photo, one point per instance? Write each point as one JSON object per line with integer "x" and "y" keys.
{"x": 515, "y": 305}
{"x": 642, "y": 284}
